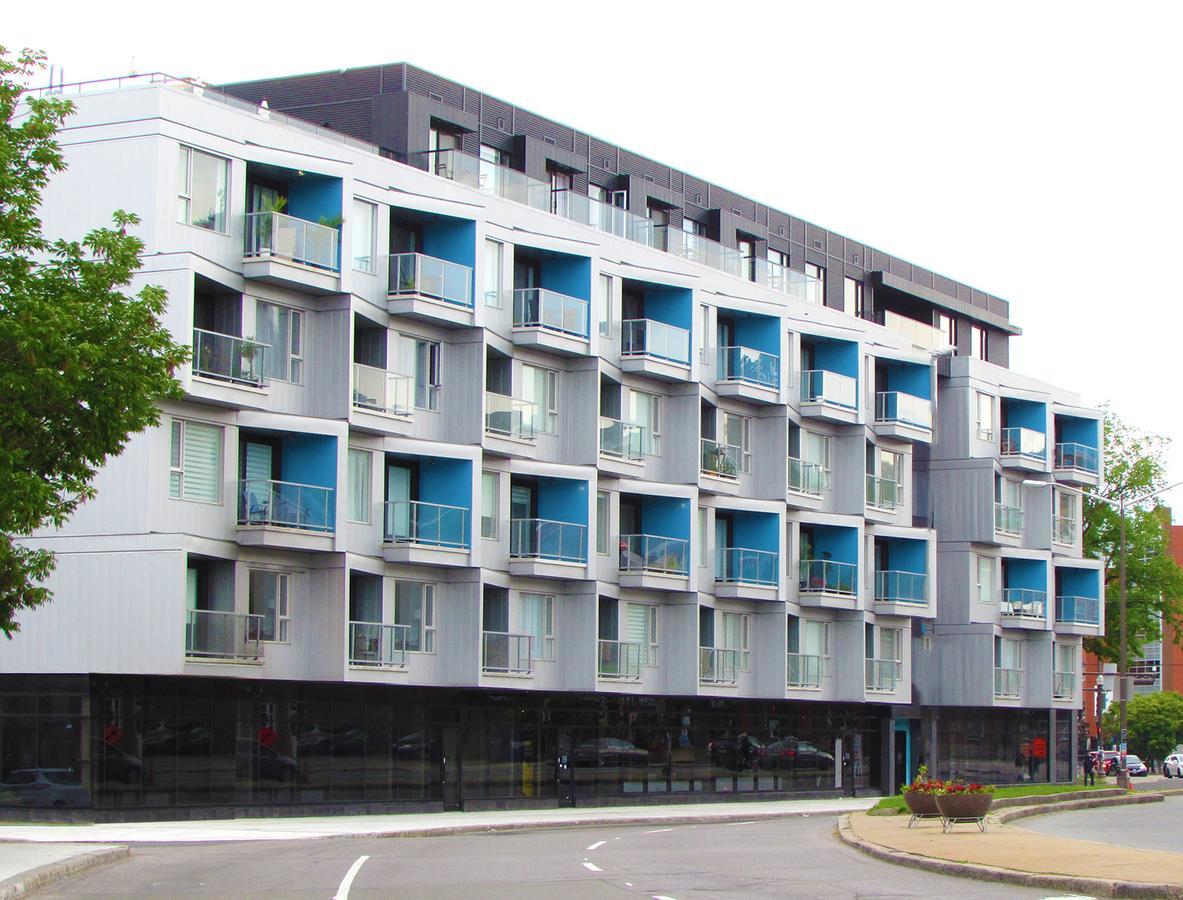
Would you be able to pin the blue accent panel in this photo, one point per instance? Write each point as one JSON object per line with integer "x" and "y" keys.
{"x": 1079, "y": 583}
{"x": 906, "y": 555}
{"x": 1026, "y": 574}
{"x": 674, "y": 306}
{"x": 314, "y": 196}
{"x": 1072, "y": 430}
{"x": 909, "y": 378}
{"x": 570, "y": 275}
{"x": 836, "y": 356}
{"x": 759, "y": 333}
{"x": 311, "y": 459}
{"x": 562, "y": 500}
{"x": 755, "y": 531}
{"x": 840, "y": 542}
{"x": 445, "y": 481}
{"x": 666, "y": 517}
{"x": 451, "y": 239}
{"x": 1024, "y": 414}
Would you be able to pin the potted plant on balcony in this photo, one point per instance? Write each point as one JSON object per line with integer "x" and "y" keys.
{"x": 265, "y": 225}
{"x": 959, "y": 801}
{"x": 921, "y": 796}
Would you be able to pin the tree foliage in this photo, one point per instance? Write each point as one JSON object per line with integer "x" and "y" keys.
{"x": 1154, "y": 722}
{"x": 1154, "y": 583}
{"x": 82, "y": 364}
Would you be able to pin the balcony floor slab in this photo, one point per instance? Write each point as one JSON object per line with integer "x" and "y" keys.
{"x": 276, "y": 270}
{"x": 284, "y": 538}
{"x": 429, "y": 309}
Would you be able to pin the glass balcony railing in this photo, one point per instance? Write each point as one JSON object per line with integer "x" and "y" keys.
{"x": 1024, "y": 603}
{"x": 825, "y": 576}
{"x": 507, "y": 654}
{"x": 285, "y": 504}
{"x": 550, "y": 311}
{"x": 375, "y": 644}
{"x": 1008, "y": 682}
{"x": 1008, "y": 519}
{"x": 381, "y": 391}
{"x": 743, "y": 364}
{"x": 804, "y": 670}
{"x": 739, "y": 565}
{"x": 821, "y": 386}
{"x": 924, "y": 336}
{"x": 723, "y": 460}
{"x": 1077, "y": 458}
{"x": 214, "y": 634}
{"x": 230, "y": 358}
{"x": 883, "y": 674}
{"x": 622, "y": 439}
{"x": 905, "y": 409}
{"x": 1063, "y": 530}
{"x": 510, "y": 417}
{"x": 699, "y": 249}
{"x": 807, "y": 477}
{"x": 717, "y": 666}
{"x": 414, "y": 273}
{"x": 645, "y": 337}
{"x": 603, "y": 217}
{"x": 901, "y": 587}
{"x": 1063, "y": 685}
{"x": 619, "y": 659}
{"x": 296, "y": 240}
{"x": 1024, "y": 442}
{"x": 788, "y": 281}
{"x": 883, "y": 493}
{"x": 427, "y": 524}
{"x": 1078, "y": 610}
{"x": 654, "y": 554}
{"x": 546, "y": 539}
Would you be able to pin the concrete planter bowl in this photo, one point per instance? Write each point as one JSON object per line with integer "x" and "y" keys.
{"x": 964, "y": 807}
{"x": 921, "y": 804}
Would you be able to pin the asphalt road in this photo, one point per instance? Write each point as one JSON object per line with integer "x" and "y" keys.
{"x": 1150, "y": 826}
{"x": 785, "y": 858}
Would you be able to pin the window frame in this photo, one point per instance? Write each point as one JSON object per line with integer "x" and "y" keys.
{"x": 986, "y": 434}
{"x": 294, "y": 352}
{"x": 603, "y": 512}
{"x": 430, "y": 390}
{"x": 978, "y": 583}
{"x": 545, "y": 652}
{"x": 176, "y": 459}
{"x": 745, "y": 637}
{"x": 372, "y": 266}
{"x": 548, "y": 406}
{"x": 281, "y": 628}
{"x": 604, "y": 305}
{"x": 494, "y": 514}
{"x": 425, "y": 599}
{"x": 185, "y": 191}
{"x": 368, "y": 481}
{"x": 493, "y": 294}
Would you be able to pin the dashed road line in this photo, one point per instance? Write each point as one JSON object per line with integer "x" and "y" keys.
{"x": 658, "y": 830}
{"x": 597, "y": 845}
{"x": 592, "y": 867}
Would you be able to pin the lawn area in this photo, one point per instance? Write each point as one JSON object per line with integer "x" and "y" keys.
{"x": 1014, "y": 790}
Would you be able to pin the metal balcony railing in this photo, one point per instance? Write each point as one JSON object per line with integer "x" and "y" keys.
{"x": 892, "y": 586}
{"x": 822, "y": 386}
{"x": 546, "y": 539}
{"x": 1063, "y": 685}
{"x": 426, "y": 524}
{"x": 740, "y": 565}
{"x": 228, "y": 357}
{"x": 883, "y": 493}
{"x": 382, "y": 391}
{"x": 622, "y": 440}
{"x": 1077, "y": 458}
{"x": 550, "y": 311}
{"x": 376, "y": 644}
{"x": 510, "y": 416}
{"x": 1024, "y": 603}
{"x": 1063, "y": 529}
{"x": 619, "y": 659}
{"x": 645, "y": 337}
{"x": 1023, "y": 442}
{"x": 414, "y": 273}
{"x": 743, "y": 364}
{"x": 896, "y": 407}
{"x": 804, "y": 670}
{"x": 1008, "y": 519}
{"x": 883, "y": 674}
{"x": 1008, "y": 682}
{"x": 654, "y": 554}
{"x": 1078, "y": 610}
{"x": 507, "y": 654}
{"x": 717, "y": 666}
{"x": 724, "y": 460}
{"x": 825, "y": 576}
{"x": 296, "y": 240}
{"x": 214, "y": 634}
{"x": 285, "y": 504}
{"x": 807, "y": 478}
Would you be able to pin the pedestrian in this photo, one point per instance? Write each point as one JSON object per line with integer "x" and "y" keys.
{"x": 1090, "y": 777}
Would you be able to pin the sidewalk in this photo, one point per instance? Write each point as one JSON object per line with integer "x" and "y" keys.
{"x": 26, "y": 867}
{"x": 419, "y": 825}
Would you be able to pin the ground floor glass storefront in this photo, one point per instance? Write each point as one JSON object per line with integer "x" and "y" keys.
{"x": 1004, "y": 746}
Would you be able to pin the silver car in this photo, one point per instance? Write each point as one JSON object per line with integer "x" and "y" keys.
{"x": 1172, "y": 766}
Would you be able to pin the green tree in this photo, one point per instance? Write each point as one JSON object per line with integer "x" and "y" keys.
{"x": 1155, "y": 723}
{"x": 82, "y": 364}
{"x": 1154, "y": 583}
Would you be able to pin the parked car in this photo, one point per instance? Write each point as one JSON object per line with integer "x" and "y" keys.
{"x": 610, "y": 752}
{"x": 734, "y": 752}
{"x": 1135, "y": 766}
{"x": 1172, "y": 766}
{"x": 1107, "y": 761}
{"x": 44, "y": 787}
{"x": 791, "y": 753}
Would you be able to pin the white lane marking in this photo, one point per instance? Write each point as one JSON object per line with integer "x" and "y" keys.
{"x": 347, "y": 881}
{"x": 662, "y": 897}
{"x": 628, "y": 884}
{"x": 741, "y": 823}
{"x": 592, "y": 867}
{"x": 658, "y": 830}
{"x": 597, "y": 845}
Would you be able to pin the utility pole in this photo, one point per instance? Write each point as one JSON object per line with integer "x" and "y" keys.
{"x": 1123, "y": 775}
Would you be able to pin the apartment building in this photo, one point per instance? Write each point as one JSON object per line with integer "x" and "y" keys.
{"x": 515, "y": 468}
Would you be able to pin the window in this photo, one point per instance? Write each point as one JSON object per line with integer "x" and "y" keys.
{"x": 815, "y": 448}
{"x": 364, "y": 216}
{"x": 1064, "y": 671}
{"x": 699, "y": 229}
{"x": 640, "y": 627}
{"x": 195, "y": 462}
{"x": 360, "y": 473}
{"x": 736, "y": 636}
{"x": 810, "y": 638}
{"x": 494, "y": 262}
{"x": 602, "y": 522}
{"x": 703, "y": 537}
{"x": 737, "y": 432}
{"x": 704, "y": 328}
{"x": 852, "y": 296}
{"x": 490, "y": 504}
{"x": 604, "y": 305}
{"x": 538, "y": 621}
{"x": 1008, "y": 654}
{"x": 985, "y": 579}
{"x": 202, "y": 189}
{"x": 280, "y": 329}
{"x": 818, "y": 290}
{"x": 645, "y": 410}
{"x": 541, "y": 387}
{"x": 1063, "y": 517}
{"x": 985, "y": 417}
{"x": 948, "y": 329}
{"x": 420, "y": 359}
{"x": 414, "y": 610}
{"x": 778, "y": 257}
{"x": 269, "y": 599}
{"x": 978, "y": 343}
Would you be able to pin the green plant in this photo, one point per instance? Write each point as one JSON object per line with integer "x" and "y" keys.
{"x": 330, "y": 221}
{"x": 955, "y": 788}
{"x": 922, "y": 784}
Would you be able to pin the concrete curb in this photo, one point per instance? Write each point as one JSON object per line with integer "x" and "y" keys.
{"x": 1053, "y": 799}
{"x": 1025, "y": 812}
{"x": 34, "y": 879}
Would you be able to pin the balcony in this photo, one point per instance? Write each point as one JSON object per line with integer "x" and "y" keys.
{"x": 883, "y": 675}
{"x": 796, "y": 284}
{"x": 655, "y": 348}
{"x": 747, "y": 574}
{"x": 547, "y": 549}
{"x": 1078, "y": 612}
{"x": 1063, "y": 685}
{"x": 825, "y": 579}
{"x": 1008, "y": 519}
{"x": 655, "y": 562}
{"x": 926, "y": 337}
{"x": 551, "y": 321}
{"x": 510, "y": 418}
{"x": 1063, "y": 530}
{"x": 717, "y": 667}
{"x": 373, "y": 644}
{"x": 283, "y": 249}
{"x": 1008, "y": 683}
{"x": 901, "y": 587}
{"x": 619, "y": 660}
{"x": 806, "y": 478}
{"x": 507, "y": 654}
{"x": 430, "y": 289}
{"x": 903, "y": 415}
{"x": 1024, "y": 608}
{"x": 305, "y": 511}
{"x": 1023, "y": 447}
{"x": 1077, "y": 458}
{"x": 804, "y": 670}
{"x": 700, "y": 249}
{"x": 721, "y": 460}
{"x": 829, "y": 395}
{"x": 883, "y": 494}
{"x": 748, "y": 374}
{"x": 217, "y": 636}
{"x": 379, "y": 391}
{"x": 224, "y": 357}
{"x": 622, "y": 440}
{"x": 425, "y": 533}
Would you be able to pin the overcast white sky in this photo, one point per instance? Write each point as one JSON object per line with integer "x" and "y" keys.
{"x": 1030, "y": 149}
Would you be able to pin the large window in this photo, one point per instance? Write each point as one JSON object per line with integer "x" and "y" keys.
{"x": 195, "y": 461}
{"x": 985, "y": 578}
{"x": 420, "y": 359}
{"x": 280, "y": 329}
{"x": 494, "y": 262}
{"x": 737, "y": 432}
{"x": 602, "y": 507}
{"x": 538, "y": 621}
{"x": 979, "y": 345}
{"x": 640, "y": 627}
{"x": 541, "y": 387}
{"x": 810, "y": 638}
{"x": 360, "y": 474}
{"x": 414, "y": 608}
{"x": 364, "y": 216}
{"x": 852, "y": 296}
{"x": 490, "y": 493}
{"x": 818, "y": 272}
{"x": 269, "y": 599}
{"x": 1064, "y": 671}
{"x": 737, "y": 636}
{"x": 985, "y": 416}
{"x": 202, "y": 189}
{"x": 604, "y": 305}
{"x": 645, "y": 410}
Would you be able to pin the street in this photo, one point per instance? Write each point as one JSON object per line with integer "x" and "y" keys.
{"x": 1151, "y": 826}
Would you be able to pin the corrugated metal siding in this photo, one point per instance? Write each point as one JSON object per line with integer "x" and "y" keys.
{"x": 420, "y": 82}
{"x": 543, "y": 129}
